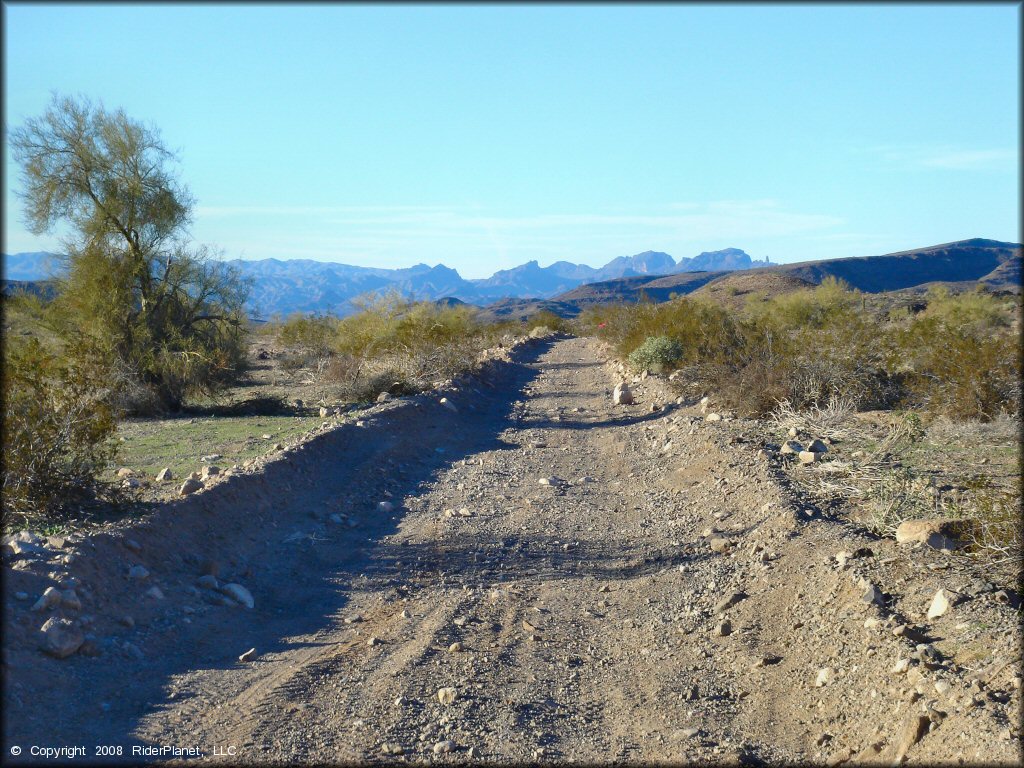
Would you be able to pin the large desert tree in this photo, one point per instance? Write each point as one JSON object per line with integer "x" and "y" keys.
{"x": 165, "y": 314}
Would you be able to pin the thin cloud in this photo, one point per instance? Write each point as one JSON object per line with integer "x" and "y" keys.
{"x": 949, "y": 158}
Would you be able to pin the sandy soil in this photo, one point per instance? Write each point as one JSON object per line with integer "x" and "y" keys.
{"x": 575, "y": 620}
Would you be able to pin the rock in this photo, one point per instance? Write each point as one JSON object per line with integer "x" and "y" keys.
{"x": 383, "y": 397}
{"x": 723, "y": 628}
{"x": 356, "y": 619}
{"x": 793, "y": 432}
{"x": 210, "y": 470}
{"x": 69, "y": 599}
{"x": 373, "y": 642}
{"x": 50, "y": 598}
{"x": 21, "y": 595}
{"x": 728, "y": 602}
{"x": 791, "y": 447}
{"x": 872, "y": 595}
{"x": 324, "y": 413}
{"x": 138, "y": 572}
{"x": 278, "y": 447}
{"x": 913, "y": 728}
{"x": 125, "y": 472}
{"x": 449, "y": 405}
{"x": 390, "y": 748}
{"x": 208, "y": 581}
{"x": 127, "y": 621}
{"x": 807, "y": 457}
{"x": 455, "y": 648}
{"x": 190, "y": 486}
{"x": 704, "y": 403}
{"x": 155, "y": 593}
{"x": 824, "y": 677}
{"x": 935, "y": 532}
{"x": 133, "y": 545}
{"x": 713, "y": 417}
{"x": 248, "y": 655}
{"x": 939, "y": 605}
{"x": 622, "y": 394}
{"x": 446, "y": 695}
{"x": 444, "y": 746}
{"x": 60, "y": 638}
{"x": 386, "y": 506}
{"x": 720, "y": 544}
{"x": 817, "y": 446}
{"x": 132, "y": 651}
{"x": 238, "y": 593}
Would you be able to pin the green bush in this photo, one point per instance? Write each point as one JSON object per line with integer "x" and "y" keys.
{"x": 58, "y": 426}
{"x": 656, "y": 354}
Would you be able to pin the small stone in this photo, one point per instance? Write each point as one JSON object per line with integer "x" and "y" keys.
{"x": 69, "y": 599}
{"x": 132, "y": 651}
{"x": 125, "y": 472}
{"x": 449, "y": 405}
{"x": 373, "y": 642}
{"x": 390, "y": 748}
{"x": 824, "y": 677}
{"x": 354, "y": 619}
{"x": 446, "y": 695}
{"x": 713, "y": 417}
{"x": 385, "y": 506}
{"x": 138, "y": 572}
{"x": 728, "y": 602}
{"x": 50, "y": 598}
{"x": 444, "y": 746}
{"x": 901, "y": 666}
{"x": 60, "y": 638}
{"x": 455, "y": 647}
{"x": 940, "y": 604}
{"x": 248, "y": 655}
{"x": 807, "y": 457}
{"x": 208, "y": 581}
{"x": 817, "y": 446}
{"x": 622, "y": 394}
{"x": 21, "y": 595}
{"x": 190, "y": 486}
{"x": 791, "y": 447}
{"x": 164, "y": 475}
{"x": 209, "y": 471}
{"x": 942, "y": 687}
{"x": 723, "y": 629}
{"x": 935, "y": 533}
{"x": 873, "y": 596}
{"x": 405, "y": 614}
{"x": 127, "y": 621}
{"x": 155, "y": 593}
{"x": 238, "y": 593}
{"x": 720, "y": 544}
{"x": 133, "y": 545}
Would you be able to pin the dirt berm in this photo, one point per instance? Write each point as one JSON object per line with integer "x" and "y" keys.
{"x": 530, "y": 575}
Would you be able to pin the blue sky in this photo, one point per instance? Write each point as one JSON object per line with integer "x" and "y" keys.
{"x": 485, "y": 136}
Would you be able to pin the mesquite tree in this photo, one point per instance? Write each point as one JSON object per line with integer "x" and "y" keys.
{"x": 164, "y": 314}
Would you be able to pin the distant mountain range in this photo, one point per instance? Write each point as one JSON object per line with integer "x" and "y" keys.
{"x": 564, "y": 288}
{"x": 302, "y": 285}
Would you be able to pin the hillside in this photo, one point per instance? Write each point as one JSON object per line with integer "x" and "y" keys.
{"x": 965, "y": 264}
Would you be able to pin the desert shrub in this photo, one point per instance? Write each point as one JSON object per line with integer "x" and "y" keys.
{"x": 58, "y": 426}
{"x": 312, "y": 334}
{"x": 548, "y": 319}
{"x": 958, "y": 370}
{"x": 657, "y": 353}
{"x": 393, "y": 343}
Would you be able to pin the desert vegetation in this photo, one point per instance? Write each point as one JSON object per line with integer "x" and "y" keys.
{"x": 917, "y": 392}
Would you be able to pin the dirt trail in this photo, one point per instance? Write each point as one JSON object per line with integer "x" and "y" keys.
{"x": 588, "y": 610}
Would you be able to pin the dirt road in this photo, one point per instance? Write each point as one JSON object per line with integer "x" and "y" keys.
{"x": 580, "y": 582}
